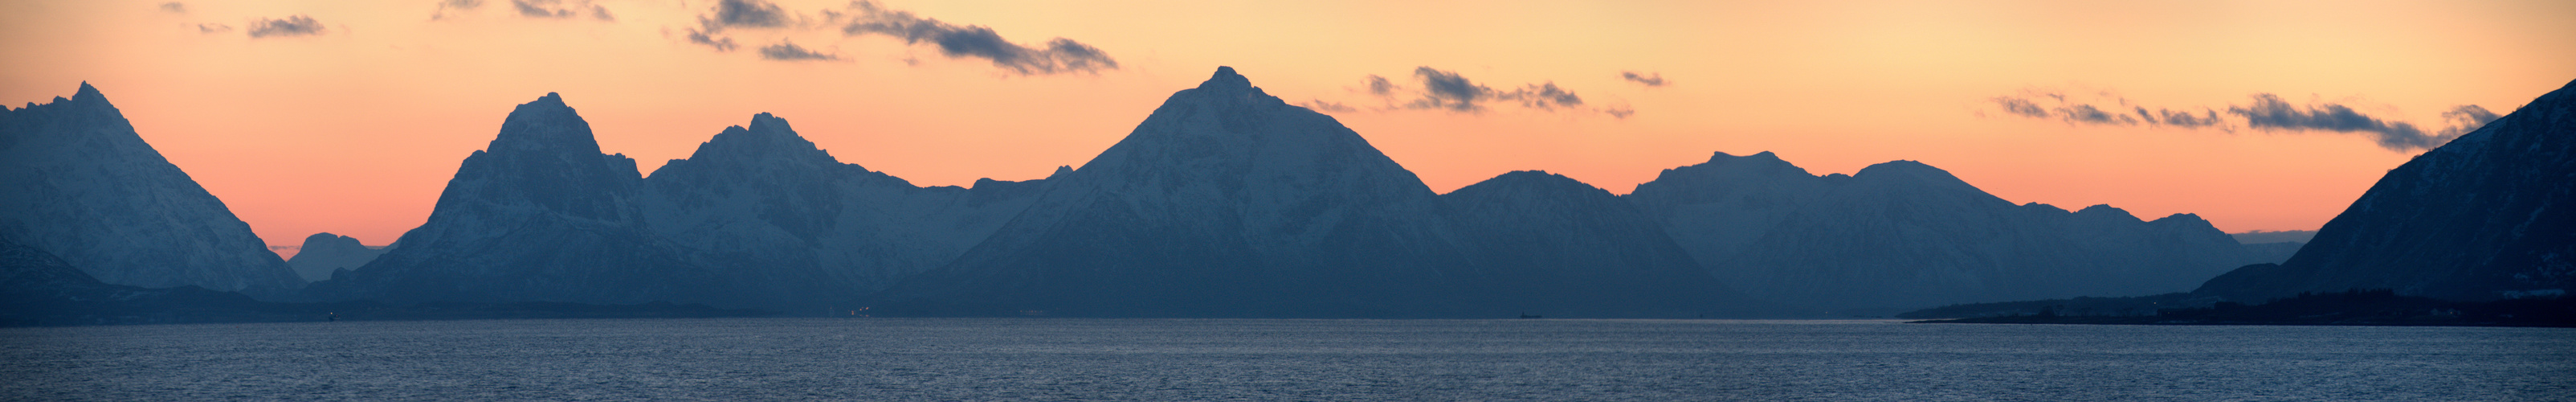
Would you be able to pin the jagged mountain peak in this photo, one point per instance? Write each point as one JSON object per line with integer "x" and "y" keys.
{"x": 545, "y": 125}
{"x": 1228, "y": 134}
{"x": 1226, "y": 80}
{"x": 768, "y": 139}
{"x": 88, "y": 94}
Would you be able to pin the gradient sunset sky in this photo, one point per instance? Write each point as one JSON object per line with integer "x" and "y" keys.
{"x": 350, "y": 116}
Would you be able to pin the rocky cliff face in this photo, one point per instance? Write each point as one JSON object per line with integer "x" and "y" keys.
{"x": 77, "y": 182}
{"x": 2491, "y": 214}
{"x": 1903, "y": 235}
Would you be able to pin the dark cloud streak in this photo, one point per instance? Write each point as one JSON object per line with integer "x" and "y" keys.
{"x": 293, "y": 25}
{"x": 1436, "y": 89}
{"x": 453, "y": 5}
{"x": 788, "y": 51}
{"x": 744, "y": 14}
{"x": 560, "y": 9}
{"x": 1649, "y": 79}
{"x": 1058, "y": 55}
{"x": 724, "y": 44}
{"x": 2266, "y": 112}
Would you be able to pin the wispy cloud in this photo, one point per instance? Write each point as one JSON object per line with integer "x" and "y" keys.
{"x": 1436, "y": 89}
{"x": 788, "y": 51}
{"x": 723, "y": 44}
{"x": 213, "y": 28}
{"x": 1328, "y": 106}
{"x": 560, "y": 9}
{"x": 2266, "y": 112}
{"x": 174, "y": 8}
{"x": 743, "y": 14}
{"x": 293, "y": 25}
{"x": 1057, "y": 55}
{"x": 1649, "y": 79}
{"x": 449, "y": 8}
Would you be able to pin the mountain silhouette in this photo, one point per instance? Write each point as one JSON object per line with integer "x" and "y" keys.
{"x": 77, "y": 182}
{"x": 1904, "y": 234}
{"x": 323, "y": 253}
{"x": 538, "y": 215}
{"x": 2492, "y": 214}
{"x": 1228, "y": 202}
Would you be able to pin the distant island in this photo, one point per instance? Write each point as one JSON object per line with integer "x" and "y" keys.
{"x": 2377, "y": 307}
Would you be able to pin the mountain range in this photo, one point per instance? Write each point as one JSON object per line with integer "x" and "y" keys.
{"x": 1227, "y": 202}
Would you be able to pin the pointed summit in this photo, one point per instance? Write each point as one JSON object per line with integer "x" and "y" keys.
{"x": 1226, "y": 80}
{"x": 545, "y": 124}
{"x": 88, "y": 94}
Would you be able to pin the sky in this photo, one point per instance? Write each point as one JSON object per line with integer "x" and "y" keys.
{"x": 349, "y": 117}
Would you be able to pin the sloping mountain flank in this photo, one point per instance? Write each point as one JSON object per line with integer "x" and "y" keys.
{"x": 77, "y": 182}
{"x": 2489, "y": 215}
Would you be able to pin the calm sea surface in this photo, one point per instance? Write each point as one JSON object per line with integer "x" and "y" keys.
{"x": 1085, "y": 359}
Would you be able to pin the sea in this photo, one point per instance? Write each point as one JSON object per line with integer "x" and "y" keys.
{"x": 1067, "y": 359}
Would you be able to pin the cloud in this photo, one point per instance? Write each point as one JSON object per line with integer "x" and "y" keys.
{"x": 743, "y": 14}
{"x": 1450, "y": 91}
{"x": 213, "y": 28}
{"x": 1436, "y": 89}
{"x": 293, "y": 25}
{"x": 1650, "y": 79}
{"x": 446, "y": 6}
{"x": 2465, "y": 119}
{"x": 1621, "y": 112}
{"x": 788, "y": 51}
{"x": 2265, "y": 112}
{"x": 1380, "y": 86}
{"x": 1328, "y": 107}
{"x": 1058, "y": 55}
{"x": 723, "y": 44}
{"x": 560, "y": 9}
{"x": 174, "y": 7}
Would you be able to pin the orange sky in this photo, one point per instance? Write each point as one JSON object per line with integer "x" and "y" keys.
{"x": 354, "y": 130}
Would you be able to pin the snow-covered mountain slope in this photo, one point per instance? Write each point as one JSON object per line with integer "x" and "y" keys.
{"x": 1907, "y": 235}
{"x": 2490, "y": 214}
{"x": 77, "y": 182}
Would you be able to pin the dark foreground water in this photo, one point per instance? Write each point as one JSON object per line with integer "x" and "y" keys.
{"x": 1076, "y": 359}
